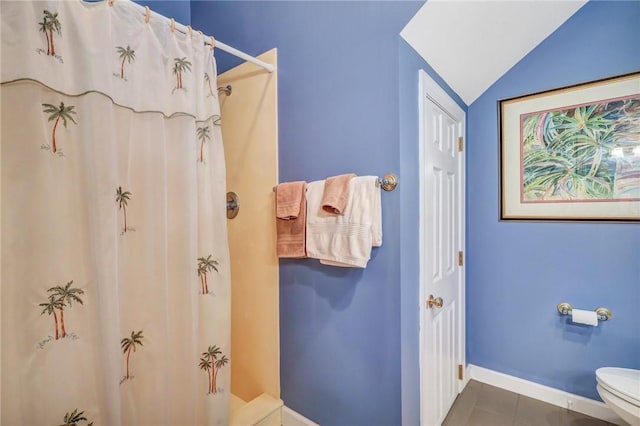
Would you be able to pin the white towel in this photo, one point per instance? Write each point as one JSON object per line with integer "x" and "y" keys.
{"x": 345, "y": 240}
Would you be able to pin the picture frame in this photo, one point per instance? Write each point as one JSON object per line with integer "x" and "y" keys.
{"x": 572, "y": 153}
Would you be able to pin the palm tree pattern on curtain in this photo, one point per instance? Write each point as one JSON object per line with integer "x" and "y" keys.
{"x": 210, "y": 363}
{"x": 129, "y": 344}
{"x": 207, "y": 80}
{"x": 122, "y": 198}
{"x": 203, "y": 135}
{"x": 126, "y": 54}
{"x": 205, "y": 265}
{"x": 180, "y": 65}
{"x": 59, "y": 298}
{"x": 56, "y": 113}
{"x": 50, "y": 307}
{"x": 48, "y": 26}
{"x": 575, "y": 153}
{"x": 74, "y": 418}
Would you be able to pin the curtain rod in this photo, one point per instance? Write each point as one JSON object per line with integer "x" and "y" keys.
{"x": 218, "y": 44}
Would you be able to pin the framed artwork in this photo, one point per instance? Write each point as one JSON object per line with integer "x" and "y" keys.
{"x": 573, "y": 153}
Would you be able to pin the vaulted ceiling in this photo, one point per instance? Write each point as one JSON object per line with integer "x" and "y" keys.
{"x": 472, "y": 43}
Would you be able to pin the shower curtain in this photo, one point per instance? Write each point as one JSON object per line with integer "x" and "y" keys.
{"x": 115, "y": 264}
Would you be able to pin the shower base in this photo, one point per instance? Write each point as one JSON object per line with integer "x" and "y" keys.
{"x": 263, "y": 410}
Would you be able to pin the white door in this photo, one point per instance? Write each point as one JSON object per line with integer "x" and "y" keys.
{"x": 442, "y": 241}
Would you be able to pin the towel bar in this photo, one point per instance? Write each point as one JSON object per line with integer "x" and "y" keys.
{"x": 387, "y": 182}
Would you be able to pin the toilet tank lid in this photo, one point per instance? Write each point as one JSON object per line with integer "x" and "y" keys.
{"x": 624, "y": 380}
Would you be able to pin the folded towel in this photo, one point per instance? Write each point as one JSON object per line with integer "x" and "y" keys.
{"x": 345, "y": 240}
{"x": 334, "y": 198}
{"x": 291, "y": 232}
{"x": 288, "y": 196}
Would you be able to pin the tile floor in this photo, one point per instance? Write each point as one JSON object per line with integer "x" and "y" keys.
{"x": 485, "y": 405}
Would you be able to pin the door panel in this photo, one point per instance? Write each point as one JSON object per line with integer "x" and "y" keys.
{"x": 441, "y": 186}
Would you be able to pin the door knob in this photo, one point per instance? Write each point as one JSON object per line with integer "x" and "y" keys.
{"x": 434, "y": 301}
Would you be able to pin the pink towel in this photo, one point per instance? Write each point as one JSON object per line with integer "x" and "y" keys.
{"x": 288, "y": 196}
{"x": 291, "y": 232}
{"x": 336, "y": 191}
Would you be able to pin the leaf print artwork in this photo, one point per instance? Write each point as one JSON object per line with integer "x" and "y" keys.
{"x": 59, "y": 298}
{"x": 48, "y": 26}
{"x": 210, "y": 363}
{"x": 74, "y": 418}
{"x": 122, "y": 197}
{"x": 180, "y": 65}
{"x": 203, "y": 135}
{"x": 56, "y": 113}
{"x": 129, "y": 344}
{"x": 205, "y": 265}
{"x": 582, "y": 153}
{"x": 128, "y": 55}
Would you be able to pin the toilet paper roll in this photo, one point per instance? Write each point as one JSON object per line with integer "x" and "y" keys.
{"x": 580, "y": 316}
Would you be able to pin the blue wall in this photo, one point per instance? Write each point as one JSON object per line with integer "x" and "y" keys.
{"x": 338, "y": 109}
{"x": 518, "y": 272}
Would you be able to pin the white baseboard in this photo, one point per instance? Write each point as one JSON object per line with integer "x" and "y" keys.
{"x": 543, "y": 393}
{"x": 292, "y": 418}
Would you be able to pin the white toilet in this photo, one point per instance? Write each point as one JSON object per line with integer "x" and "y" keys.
{"x": 619, "y": 388}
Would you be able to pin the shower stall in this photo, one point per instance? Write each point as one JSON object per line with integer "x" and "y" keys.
{"x": 127, "y": 296}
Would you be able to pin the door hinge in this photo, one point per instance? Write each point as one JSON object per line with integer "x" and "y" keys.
{"x": 460, "y": 143}
{"x": 460, "y": 258}
{"x": 460, "y": 372}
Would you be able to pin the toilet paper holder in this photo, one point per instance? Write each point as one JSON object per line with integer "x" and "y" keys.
{"x": 603, "y": 313}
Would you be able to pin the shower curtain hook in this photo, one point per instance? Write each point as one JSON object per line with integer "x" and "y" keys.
{"x": 147, "y": 14}
{"x": 213, "y": 42}
{"x": 173, "y": 25}
{"x": 111, "y": 2}
{"x": 190, "y": 31}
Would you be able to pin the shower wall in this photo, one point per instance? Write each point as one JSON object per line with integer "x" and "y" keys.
{"x": 250, "y": 132}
